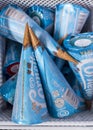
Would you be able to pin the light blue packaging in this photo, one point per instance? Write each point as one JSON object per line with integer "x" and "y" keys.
{"x": 43, "y": 16}
{"x": 7, "y": 90}
{"x": 61, "y": 99}
{"x": 12, "y": 58}
{"x": 69, "y": 18}
{"x": 12, "y": 26}
{"x": 81, "y": 47}
{"x": 29, "y": 103}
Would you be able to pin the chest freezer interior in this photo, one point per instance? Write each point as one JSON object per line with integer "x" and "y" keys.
{"x": 84, "y": 118}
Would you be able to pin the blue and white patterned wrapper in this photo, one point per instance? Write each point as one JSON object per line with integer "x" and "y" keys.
{"x": 2, "y": 55}
{"x": 29, "y": 104}
{"x": 12, "y": 58}
{"x": 81, "y": 47}
{"x": 7, "y": 90}
{"x": 69, "y": 18}
{"x": 43, "y": 16}
{"x": 61, "y": 99}
{"x": 12, "y": 26}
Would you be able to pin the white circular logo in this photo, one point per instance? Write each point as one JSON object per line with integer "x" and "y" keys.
{"x": 82, "y": 42}
{"x": 59, "y": 102}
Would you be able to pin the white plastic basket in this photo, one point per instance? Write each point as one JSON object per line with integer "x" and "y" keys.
{"x": 84, "y": 119}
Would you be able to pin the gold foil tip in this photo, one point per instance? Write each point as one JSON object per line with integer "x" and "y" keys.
{"x": 34, "y": 40}
{"x": 64, "y": 55}
{"x": 26, "y": 40}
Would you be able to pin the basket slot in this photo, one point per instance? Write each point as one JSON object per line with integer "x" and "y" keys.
{"x": 49, "y": 3}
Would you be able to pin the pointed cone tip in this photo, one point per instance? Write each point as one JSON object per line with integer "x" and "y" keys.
{"x": 34, "y": 39}
{"x": 27, "y": 40}
{"x": 64, "y": 55}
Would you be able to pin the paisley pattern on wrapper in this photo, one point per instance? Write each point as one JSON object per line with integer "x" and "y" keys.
{"x": 69, "y": 18}
{"x": 12, "y": 58}
{"x": 81, "y": 47}
{"x": 12, "y": 26}
{"x": 61, "y": 99}
{"x": 43, "y": 16}
{"x": 7, "y": 90}
{"x": 29, "y": 104}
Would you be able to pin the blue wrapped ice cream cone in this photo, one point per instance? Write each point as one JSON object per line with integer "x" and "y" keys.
{"x": 12, "y": 58}
{"x": 29, "y": 103}
{"x": 7, "y": 90}
{"x": 61, "y": 99}
{"x": 69, "y": 18}
{"x": 12, "y": 26}
{"x": 43, "y": 16}
{"x": 81, "y": 47}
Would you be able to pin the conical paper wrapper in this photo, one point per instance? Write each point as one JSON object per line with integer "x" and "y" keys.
{"x": 61, "y": 99}
{"x": 29, "y": 104}
{"x": 80, "y": 46}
